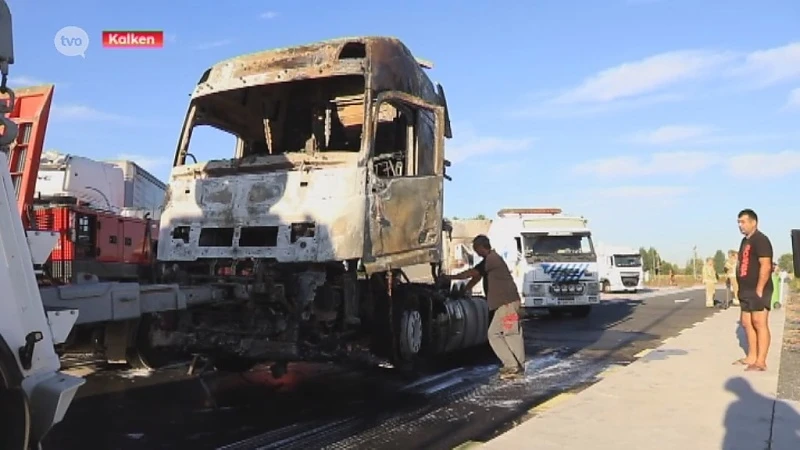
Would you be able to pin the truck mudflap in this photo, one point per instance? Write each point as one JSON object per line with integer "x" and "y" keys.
{"x": 30, "y": 406}
{"x": 49, "y": 396}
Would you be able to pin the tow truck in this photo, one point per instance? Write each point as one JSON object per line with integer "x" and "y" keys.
{"x": 34, "y": 393}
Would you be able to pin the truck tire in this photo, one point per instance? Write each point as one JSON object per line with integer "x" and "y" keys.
{"x": 581, "y": 311}
{"x": 606, "y": 287}
{"x": 142, "y": 355}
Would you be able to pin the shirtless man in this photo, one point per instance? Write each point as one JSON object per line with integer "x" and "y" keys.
{"x": 754, "y": 276}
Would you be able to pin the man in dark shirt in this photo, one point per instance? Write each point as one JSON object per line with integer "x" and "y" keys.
{"x": 754, "y": 276}
{"x": 505, "y": 332}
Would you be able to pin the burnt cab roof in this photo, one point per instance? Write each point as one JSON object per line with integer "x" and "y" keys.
{"x": 386, "y": 62}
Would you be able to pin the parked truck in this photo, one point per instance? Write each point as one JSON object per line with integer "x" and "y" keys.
{"x": 620, "y": 269}
{"x": 551, "y": 257}
{"x": 105, "y": 213}
{"x": 119, "y": 186}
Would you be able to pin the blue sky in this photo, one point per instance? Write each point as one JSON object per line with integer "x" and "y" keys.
{"x": 656, "y": 119}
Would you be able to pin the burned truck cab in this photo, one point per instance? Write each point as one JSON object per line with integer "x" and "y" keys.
{"x": 334, "y": 184}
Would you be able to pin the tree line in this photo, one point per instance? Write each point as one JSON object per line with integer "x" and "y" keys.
{"x": 652, "y": 261}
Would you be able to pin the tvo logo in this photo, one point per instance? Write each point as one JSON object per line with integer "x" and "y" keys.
{"x": 72, "y": 41}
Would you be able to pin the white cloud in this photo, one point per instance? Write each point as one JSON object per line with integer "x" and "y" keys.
{"x": 751, "y": 164}
{"x": 268, "y": 15}
{"x": 149, "y": 163}
{"x": 550, "y": 110}
{"x": 645, "y": 76}
{"x": 669, "y": 134}
{"x": 771, "y": 66}
{"x": 794, "y": 99}
{"x": 764, "y": 165}
{"x": 23, "y": 81}
{"x": 84, "y": 113}
{"x": 213, "y": 44}
{"x": 670, "y": 76}
{"x": 467, "y": 143}
{"x": 642, "y": 192}
{"x": 666, "y": 163}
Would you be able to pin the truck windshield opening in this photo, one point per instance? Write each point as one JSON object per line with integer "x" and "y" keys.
{"x": 628, "y": 260}
{"x": 305, "y": 116}
{"x": 540, "y": 246}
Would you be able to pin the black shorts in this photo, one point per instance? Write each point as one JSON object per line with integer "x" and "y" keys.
{"x": 750, "y": 302}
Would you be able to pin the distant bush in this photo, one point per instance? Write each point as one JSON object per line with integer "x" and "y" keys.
{"x": 680, "y": 281}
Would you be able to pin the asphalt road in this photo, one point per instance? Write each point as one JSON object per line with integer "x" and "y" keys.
{"x": 324, "y": 406}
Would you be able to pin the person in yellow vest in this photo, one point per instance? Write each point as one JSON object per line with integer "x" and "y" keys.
{"x": 730, "y": 272}
{"x": 710, "y": 280}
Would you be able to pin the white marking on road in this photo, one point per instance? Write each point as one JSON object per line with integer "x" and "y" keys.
{"x": 136, "y": 373}
{"x": 683, "y": 300}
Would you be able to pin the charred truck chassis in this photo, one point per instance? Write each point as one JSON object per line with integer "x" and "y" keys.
{"x": 336, "y": 185}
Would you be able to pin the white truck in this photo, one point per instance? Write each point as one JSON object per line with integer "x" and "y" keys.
{"x": 551, "y": 257}
{"x": 34, "y": 394}
{"x": 119, "y": 186}
{"x": 620, "y": 269}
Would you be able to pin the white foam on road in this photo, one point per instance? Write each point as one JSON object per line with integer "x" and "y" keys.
{"x": 136, "y": 373}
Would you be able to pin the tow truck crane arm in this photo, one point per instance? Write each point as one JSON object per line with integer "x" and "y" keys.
{"x": 34, "y": 394}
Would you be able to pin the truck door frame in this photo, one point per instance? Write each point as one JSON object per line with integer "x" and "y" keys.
{"x": 404, "y": 220}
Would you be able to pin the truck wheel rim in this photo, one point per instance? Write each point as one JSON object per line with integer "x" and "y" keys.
{"x": 410, "y": 333}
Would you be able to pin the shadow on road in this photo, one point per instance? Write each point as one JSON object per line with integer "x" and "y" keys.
{"x": 661, "y": 355}
{"x": 741, "y": 336}
{"x": 745, "y": 417}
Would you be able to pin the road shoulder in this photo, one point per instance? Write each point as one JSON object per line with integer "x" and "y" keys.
{"x": 686, "y": 384}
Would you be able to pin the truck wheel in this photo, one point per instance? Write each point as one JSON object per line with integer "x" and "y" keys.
{"x": 15, "y": 425}
{"x": 143, "y": 355}
{"x": 606, "y": 287}
{"x": 410, "y": 339}
{"x": 581, "y": 311}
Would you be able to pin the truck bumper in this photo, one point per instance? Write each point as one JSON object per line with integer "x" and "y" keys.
{"x": 553, "y": 302}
